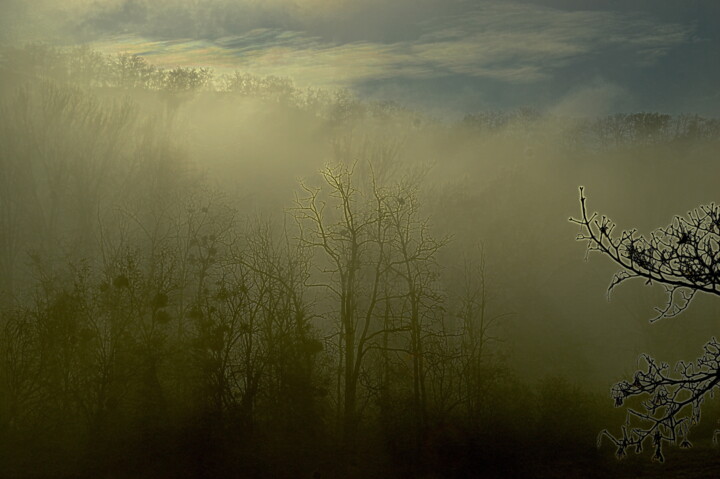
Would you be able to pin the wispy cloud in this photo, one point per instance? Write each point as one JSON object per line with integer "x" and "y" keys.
{"x": 508, "y": 42}
{"x": 498, "y": 53}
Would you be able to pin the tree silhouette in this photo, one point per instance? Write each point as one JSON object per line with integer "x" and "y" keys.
{"x": 684, "y": 257}
{"x": 414, "y": 265}
{"x": 348, "y": 226}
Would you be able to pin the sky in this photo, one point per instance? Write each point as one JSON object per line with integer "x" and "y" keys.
{"x": 572, "y": 57}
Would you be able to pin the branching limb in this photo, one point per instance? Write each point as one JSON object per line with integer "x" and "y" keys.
{"x": 671, "y": 404}
{"x": 683, "y": 256}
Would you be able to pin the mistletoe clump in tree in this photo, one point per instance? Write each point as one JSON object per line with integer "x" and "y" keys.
{"x": 684, "y": 257}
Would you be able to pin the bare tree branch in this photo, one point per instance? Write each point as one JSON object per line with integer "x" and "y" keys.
{"x": 684, "y": 257}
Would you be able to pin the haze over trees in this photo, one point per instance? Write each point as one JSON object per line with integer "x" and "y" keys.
{"x": 225, "y": 276}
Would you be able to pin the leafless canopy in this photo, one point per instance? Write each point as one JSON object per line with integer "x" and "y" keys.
{"x": 684, "y": 257}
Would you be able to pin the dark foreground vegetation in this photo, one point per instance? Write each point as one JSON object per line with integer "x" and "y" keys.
{"x": 163, "y": 319}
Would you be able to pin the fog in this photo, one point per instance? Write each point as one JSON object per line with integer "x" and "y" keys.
{"x": 231, "y": 276}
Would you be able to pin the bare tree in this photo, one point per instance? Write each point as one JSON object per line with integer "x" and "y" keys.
{"x": 684, "y": 257}
{"x": 414, "y": 265}
{"x": 480, "y": 334}
{"x": 349, "y": 228}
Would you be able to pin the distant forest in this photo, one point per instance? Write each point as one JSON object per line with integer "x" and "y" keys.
{"x": 208, "y": 275}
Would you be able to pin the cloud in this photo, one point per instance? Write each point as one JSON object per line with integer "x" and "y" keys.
{"x": 507, "y": 42}
{"x": 467, "y": 44}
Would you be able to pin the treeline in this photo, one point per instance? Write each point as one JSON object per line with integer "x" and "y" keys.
{"x": 88, "y": 68}
{"x": 608, "y": 132}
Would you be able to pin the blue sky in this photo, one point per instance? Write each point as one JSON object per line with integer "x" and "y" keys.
{"x": 576, "y": 57}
